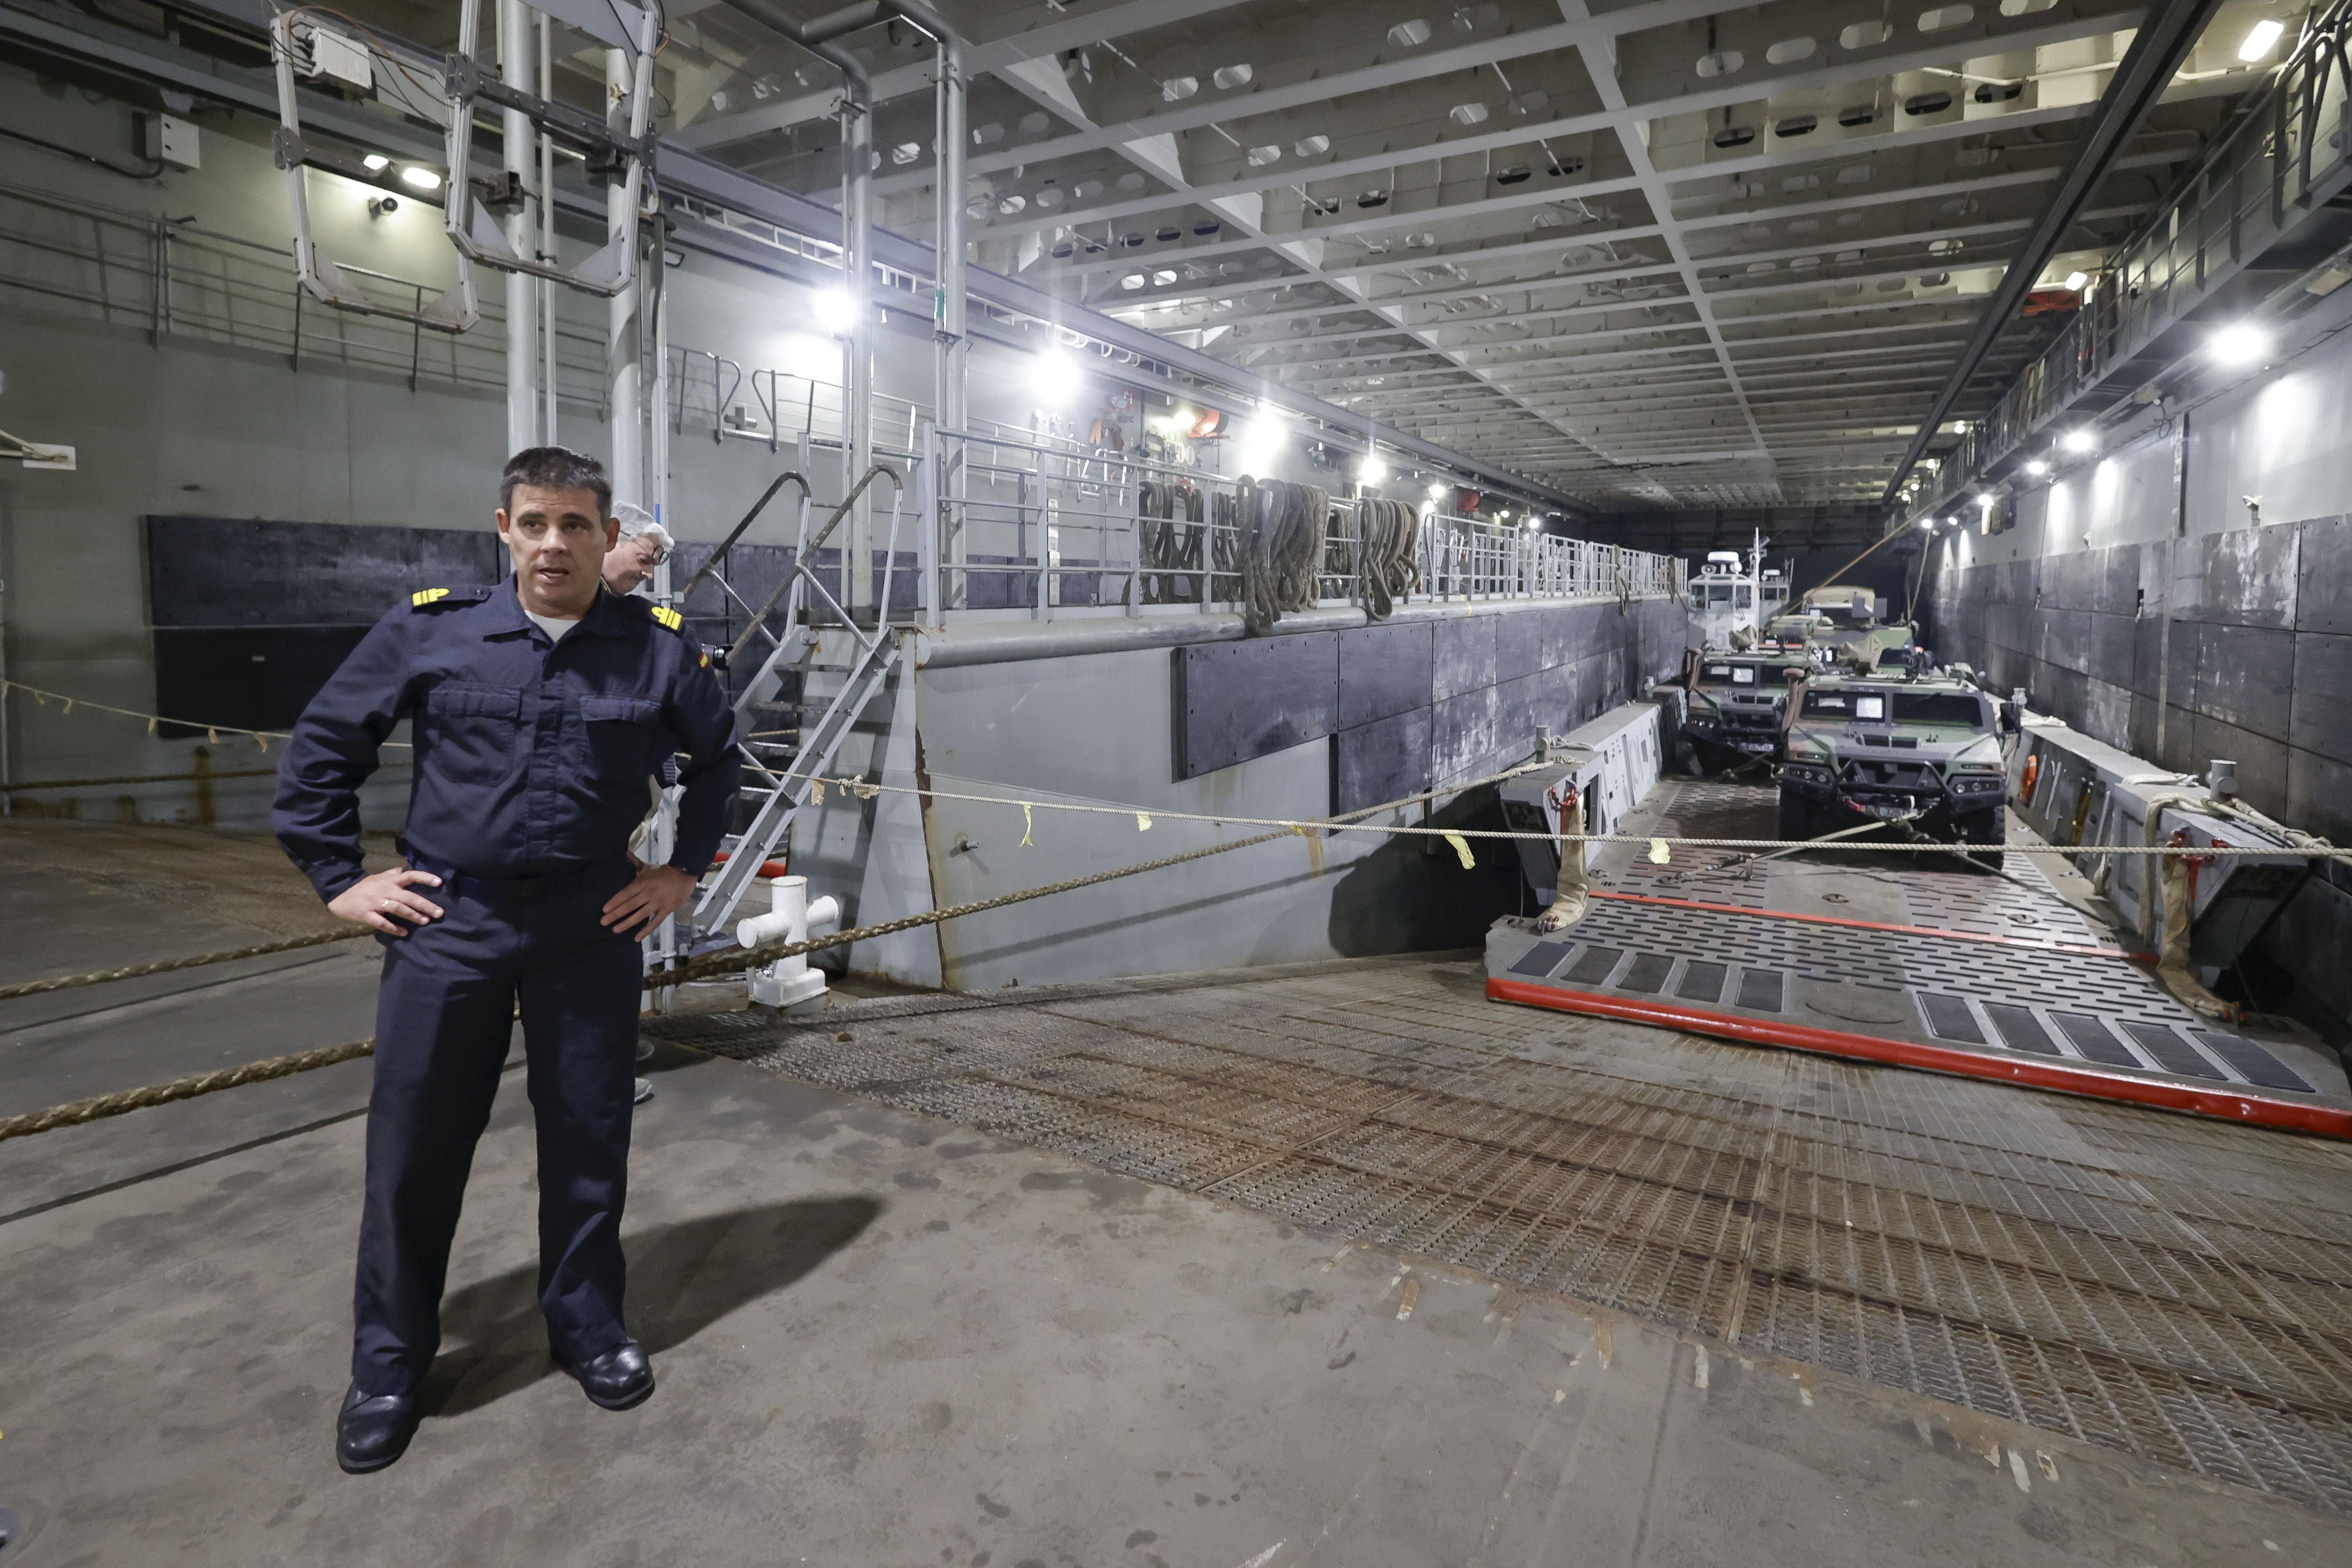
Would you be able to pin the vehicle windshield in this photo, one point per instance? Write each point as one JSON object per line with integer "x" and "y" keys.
{"x": 1738, "y": 674}
{"x": 1940, "y": 708}
{"x": 1959, "y": 708}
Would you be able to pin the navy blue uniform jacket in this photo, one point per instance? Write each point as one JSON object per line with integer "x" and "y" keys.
{"x": 530, "y": 756}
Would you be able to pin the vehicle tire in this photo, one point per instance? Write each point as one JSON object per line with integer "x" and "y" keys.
{"x": 1798, "y": 818}
{"x": 1987, "y": 827}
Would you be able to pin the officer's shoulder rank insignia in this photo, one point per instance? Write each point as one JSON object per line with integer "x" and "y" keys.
{"x": 669, "y": 617}
{"x": 705, "y": 661}
{"x": 426, "y": 598}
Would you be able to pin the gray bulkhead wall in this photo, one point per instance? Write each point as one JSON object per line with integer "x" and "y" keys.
{"x": 2116, "y": 596}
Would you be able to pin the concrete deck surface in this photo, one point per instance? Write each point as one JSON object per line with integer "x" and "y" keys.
{"x": 885, "y": 1340}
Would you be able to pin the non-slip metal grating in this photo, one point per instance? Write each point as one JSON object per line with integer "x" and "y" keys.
{"x": 2175, "y": 1288}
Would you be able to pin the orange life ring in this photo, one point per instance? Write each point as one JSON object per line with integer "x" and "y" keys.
{"x": 2026, "y": 780}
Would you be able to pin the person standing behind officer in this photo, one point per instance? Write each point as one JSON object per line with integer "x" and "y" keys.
{"x": 539, "y": 707}
{"x": 629, "y": 565}
{"x": 643, "y": 545}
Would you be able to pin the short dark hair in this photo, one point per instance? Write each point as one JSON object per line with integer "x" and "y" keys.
{"x": 556, "y": 468}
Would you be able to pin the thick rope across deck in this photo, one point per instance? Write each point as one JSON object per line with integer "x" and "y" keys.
{"x": 75, "y": 1111}
{"x": 166, "y": 965}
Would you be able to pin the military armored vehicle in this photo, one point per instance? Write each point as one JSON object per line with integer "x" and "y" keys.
{"x": 1839, "y": 625}
{"x": 1923, "y": 751}
{"x": 1736, "y": 703}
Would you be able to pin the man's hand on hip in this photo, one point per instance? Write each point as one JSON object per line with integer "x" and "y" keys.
{"x": 655, "y": 894}
{"x": 374, "y": 901}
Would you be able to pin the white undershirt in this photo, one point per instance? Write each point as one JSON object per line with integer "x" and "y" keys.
{"x": 553, "y": 625}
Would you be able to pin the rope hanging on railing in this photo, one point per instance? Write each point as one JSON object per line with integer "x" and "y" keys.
{"x": 1282, "y": 531}
{"x": 1162, "y": 549}
{"x": 1388, "y": 567}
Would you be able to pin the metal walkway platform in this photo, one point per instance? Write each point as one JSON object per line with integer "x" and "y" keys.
{"x": 1952, "y": 971}
{"x": 2175, "y": 1288}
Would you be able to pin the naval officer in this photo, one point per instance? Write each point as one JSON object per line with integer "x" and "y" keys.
{"x": 537, "y": 708}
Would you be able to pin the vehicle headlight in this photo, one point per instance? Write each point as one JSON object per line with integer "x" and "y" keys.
{"x": 1808, "y": 773}
{"x": 1977, "y": 784}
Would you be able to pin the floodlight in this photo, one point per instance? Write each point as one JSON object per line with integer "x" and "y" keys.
{"x": 1372, "y": 470}
{"x": 1261, "y": 441}
{"x": 2037, "y": 468}
{"x": 2074, "y": 281}
{"x": 376, "y": 162}
{"x": 833, "y": 310}
{"x": 2258, "y": 39}
{"x": 2240, "y": 343}
{"x": 2080, "y": 441}
{"x": 422, "y": 178}
{"x": 1927, "y": 522}
{"x": 1054, "y": 375}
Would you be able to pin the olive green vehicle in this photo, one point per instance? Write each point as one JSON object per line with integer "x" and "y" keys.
{"x": 1739, "y": 704}
{"x": 1839, "y": 625}
{"x": 1924, "y": 750}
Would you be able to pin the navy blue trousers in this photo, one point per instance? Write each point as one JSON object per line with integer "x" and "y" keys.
{"x": 444, "y": 1020}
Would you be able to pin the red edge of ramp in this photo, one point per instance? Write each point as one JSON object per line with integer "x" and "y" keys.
{"x": 2066, "y": 1077}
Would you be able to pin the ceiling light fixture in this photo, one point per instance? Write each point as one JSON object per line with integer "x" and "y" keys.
{"x": 2076, "y": 281}
{"x": 2258, "y": 39}
{"x": 2080, "y": 441}
{"x": 2239, "y": 343}
{"x": 2037, "y": 468}
{"x": 376, "y": 162}
{"x": 422, "y": 178}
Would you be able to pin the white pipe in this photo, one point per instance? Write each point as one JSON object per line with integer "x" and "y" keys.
{"x": 950, "y": 353}
{"x": 657, "y": 475}
{"x": 622, "y": 347}
{"x": 857, "y": 282}
{"x": 547, "y": 419}
{"x": 522, "y": 293}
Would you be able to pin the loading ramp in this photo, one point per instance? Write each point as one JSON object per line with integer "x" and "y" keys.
{"x": 1950, "y": 970}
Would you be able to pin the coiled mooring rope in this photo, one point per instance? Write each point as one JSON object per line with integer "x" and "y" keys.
{"x": 1389, "y": 568}
{"x": 1281, "y": 544}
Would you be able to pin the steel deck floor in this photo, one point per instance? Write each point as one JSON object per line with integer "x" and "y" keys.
{"x": 2175, "y": 1288}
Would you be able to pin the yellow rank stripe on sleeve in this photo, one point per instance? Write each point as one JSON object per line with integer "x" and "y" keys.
{"x": 665, "y": 616}
{"x": 425, "y": 596}
{"x": 705, "y": 661}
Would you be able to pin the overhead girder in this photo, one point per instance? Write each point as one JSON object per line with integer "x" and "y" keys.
{"x": 2010, "y": 33}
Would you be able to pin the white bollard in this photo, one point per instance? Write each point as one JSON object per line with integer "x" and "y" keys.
{"x": 788, "y": 982}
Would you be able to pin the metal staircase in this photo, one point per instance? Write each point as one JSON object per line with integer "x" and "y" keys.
{"x": 783, "y": 780}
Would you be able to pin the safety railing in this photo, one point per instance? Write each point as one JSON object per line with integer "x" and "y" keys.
{"x": 715, "y": 396}
{"x": 2290, "y": 154}
{"x": 1041, "y": 525}
{"x": 1476, "y": 558}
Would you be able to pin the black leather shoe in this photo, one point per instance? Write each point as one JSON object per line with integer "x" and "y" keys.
{"x": 371, "y": 1431}
{"x": 618, "y": 1380}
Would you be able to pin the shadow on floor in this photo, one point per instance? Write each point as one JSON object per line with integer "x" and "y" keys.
{"x": 683, "y": 1278}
